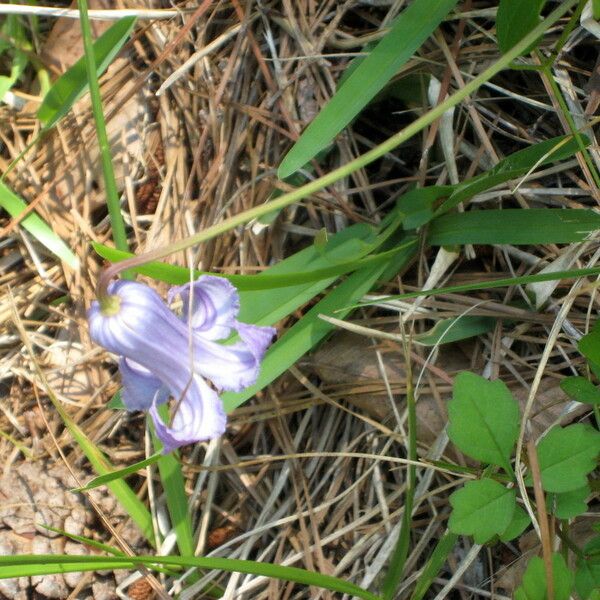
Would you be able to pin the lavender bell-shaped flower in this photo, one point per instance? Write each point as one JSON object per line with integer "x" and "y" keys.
{"x": 163, "y": 355}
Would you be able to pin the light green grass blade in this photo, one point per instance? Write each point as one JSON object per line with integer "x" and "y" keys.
{"x": 13, "y": 30}
{"x": 14, "y": 206}
{"x": 26, "y": 565}
{"x": 514, "y": 226}
{"x": 119, "y": 474}
{"x": 311, "y": 329}
{"x": 265, "y": 281}
{"x": 173, "y": 484}
{"x": 74, "y": 82}
{"x": 410, "y": 29}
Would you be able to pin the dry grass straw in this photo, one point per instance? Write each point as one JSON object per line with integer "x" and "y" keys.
{"x": 327, "y": 494}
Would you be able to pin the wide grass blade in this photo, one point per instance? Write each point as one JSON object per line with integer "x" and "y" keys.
{"x": 515, "y": 19}
{"x": 410, "y": 29}
{"x": 14, "y": 206}
{"x": 68, "y": 88}
{"x": 27, "y": 565}
{"x": 311, "y": 329}
{"x": 514, "y": 226}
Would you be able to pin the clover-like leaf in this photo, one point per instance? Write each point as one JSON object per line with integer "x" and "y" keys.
{"x": 534, "y": 584}
{"x": 484, "y": 419}
{"x": 482, "y": 508}
{"x": 589, "y": 344}
{"x": 566, "y": 456}
{"x": 587, "y": 577}
{"x": 580, "y": 389}
{"x": 569, "y": 504}
{"x": 520, "y": 520}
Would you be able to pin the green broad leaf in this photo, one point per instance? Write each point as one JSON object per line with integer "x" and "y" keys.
{"x": 408, "y": 32}
{"x": 516, "y": 165}
{"x": 455, "y": 329}
{"x": 483, "y": 508}
{"x": 534, "y": 585}
{"x": 587, "y": 577}
{"x": 14, "y": 206}
{"x": 566, "y": 456}
{"x": 311, "y": 329}
{"x": 569, "y": 504}
{"x": 519, "y": 522}
{"x": 434, "y": 565}
{"x": 484, "y": 420}
{"x": 68, "y": 88}
{"x": 515, "y": 19}
{"x": 27, "y": 565}
{"x": 514, "y": 226}
{"x": 589, "y": 344}
{"x": 580, "y": 389}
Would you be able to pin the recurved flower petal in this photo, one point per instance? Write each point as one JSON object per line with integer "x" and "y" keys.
{"x": 214, "y": 306}
{"x": 197, "y": 416}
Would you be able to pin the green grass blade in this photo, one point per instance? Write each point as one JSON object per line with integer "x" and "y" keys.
{"x": 410, "y": 29}
{"x": 173, "y": 483}
{"x": 74, "y": 82}
{"x": 26, "y": 565}
{"x": 491, "y": 284}
{"x": 311, "y": 329}
{"x": 434, "y": 565}
{"x": 514, "y": 226}
{"x": 119, "y": 473}
{"x": 112, "y": 194}
{"x": 14, "y": 206}
{"x": 513, "y": 166}
{"x": 265, "y": 281}
{"x": 15, "y": 32}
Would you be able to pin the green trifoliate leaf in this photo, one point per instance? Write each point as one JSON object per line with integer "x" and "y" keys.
{"x": 581, "y": 390}
{"x": 566, "y": 456}
{"x": 519, "y": 522}
{"x": 534, "y": 584}
{"x": 589, "y": 344}
{"x": 569, "y": 504}
{"x": 587, "y": 577}
{"x": 483, "y": 509}
{"x": 484, "y": 419}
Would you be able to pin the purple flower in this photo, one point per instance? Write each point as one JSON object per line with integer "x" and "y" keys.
{"x": 163, "y": 355}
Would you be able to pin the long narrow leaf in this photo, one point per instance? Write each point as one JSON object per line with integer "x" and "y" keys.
{"x": 14, "y": 206}
{"x": 27, "y": 565}
{"x": 74, "y": 82}
{"x": 514, "y": 226}
{"x": 311, "y": 329}
{"x": 410, "y": 29}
